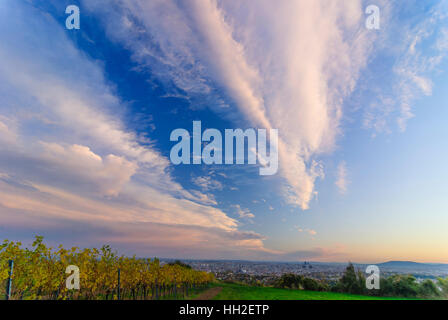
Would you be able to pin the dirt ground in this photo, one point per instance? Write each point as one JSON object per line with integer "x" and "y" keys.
{"x": 209, "y": 294}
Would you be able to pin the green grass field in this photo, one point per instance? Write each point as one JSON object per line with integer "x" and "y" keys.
{"x": 242, "y": 292}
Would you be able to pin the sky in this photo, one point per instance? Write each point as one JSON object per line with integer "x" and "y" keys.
{"x": 86, "y": 116}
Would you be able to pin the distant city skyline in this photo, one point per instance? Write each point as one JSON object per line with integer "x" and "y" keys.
{"x": 86, "y": 117}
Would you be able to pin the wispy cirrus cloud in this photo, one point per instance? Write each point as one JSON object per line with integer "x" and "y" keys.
{"x": 71, "y": 160}
{"x": 68, "y": 159}
{"x": 418, "y": 57}
{"x": 243, "y": 212}
{"x": 342, "y": 180}
{"x": 311, "y": 232}
{"x": 292, "y": 75}
{"x": 206, "y": 183}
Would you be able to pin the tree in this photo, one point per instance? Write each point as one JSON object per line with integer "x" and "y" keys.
{"x": 311, "y": 284}
{"x": 443, "y": 284}
{"x": 180, "y": 263}
{"x": 351, "y": 281}
{"x": 404, "y": 285}
{"x": 428, "y": 289}
{"x": 290, "y": 280}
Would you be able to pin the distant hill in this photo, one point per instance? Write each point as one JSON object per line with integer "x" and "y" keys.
{"x": 402, "y": 264}
{"x": 411, "y": 265}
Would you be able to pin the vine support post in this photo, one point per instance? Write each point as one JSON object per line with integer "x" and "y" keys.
{"x": 118, "y": 289}
{"x": 9, "y": 283}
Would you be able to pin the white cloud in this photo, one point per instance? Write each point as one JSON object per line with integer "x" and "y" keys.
{"x": 8, "y": 133}
{"x": 80, "y": 164}
{"x": 110, "y": 173}
{"x": 206, "y": 183}
{"x": 342, "y": 178}
{"x": 309, "y": 231}
{"x": 243, "y": 213}
{"x": 285, "y": 65}
{"x": 419, "y": 53}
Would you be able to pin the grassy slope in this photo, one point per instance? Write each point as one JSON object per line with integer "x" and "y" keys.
{"x": 241, "y": 292}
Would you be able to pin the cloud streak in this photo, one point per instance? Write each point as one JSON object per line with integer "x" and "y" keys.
{"x": 418, "y": 56}
{"x": 71, "y": 161}
{"x": 292, "y": 75}
{"x": 342, "y": 179}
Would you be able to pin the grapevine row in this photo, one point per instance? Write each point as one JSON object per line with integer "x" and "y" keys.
{"x": 39, "y": 273}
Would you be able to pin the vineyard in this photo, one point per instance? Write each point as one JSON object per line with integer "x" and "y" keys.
{"x": 40, "y": 273}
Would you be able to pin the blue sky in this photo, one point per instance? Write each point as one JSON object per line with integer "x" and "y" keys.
{"x": 86, "y": 116}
